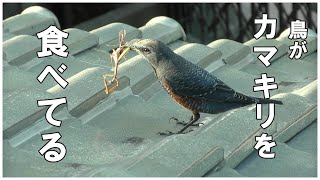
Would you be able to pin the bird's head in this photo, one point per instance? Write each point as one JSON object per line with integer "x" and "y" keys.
{"x": 153, "y": 50}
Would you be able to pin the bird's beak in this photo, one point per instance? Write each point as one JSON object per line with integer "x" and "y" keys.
{"x": 127, "y": 47}
{"x": 132, "y": 44}
{"x": 124, "y": 52}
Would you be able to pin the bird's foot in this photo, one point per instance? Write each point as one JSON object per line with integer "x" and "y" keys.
{"x": 169, "y": 133}
{"x": 184, "y": 123}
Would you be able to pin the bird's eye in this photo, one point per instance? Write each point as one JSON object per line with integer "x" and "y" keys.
{"x": 146, "y": 50}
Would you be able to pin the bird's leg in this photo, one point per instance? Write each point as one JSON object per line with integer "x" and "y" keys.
{"x": 185, "y": 123}
{"x": 195, "y": 118}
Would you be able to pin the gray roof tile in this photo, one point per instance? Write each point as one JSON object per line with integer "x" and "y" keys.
{"x": 22, "y": 165}
{"x": 140, "y": 108}
{"x": 42, "y": 12}
{"x": 235, "y": 131}
{"x": 225, "y": 172}
{"x": 164, "y": 29}
{"x": 282, "y": 49}
{"x": 292, "y": 120}
{"x": 74, "y": 66}
{"x": 6, "y": 36}
{"x": 95, "y": 57}
{"x": 20, "y": 109}
{"x": 241, "y": 79}
{"x": 79, "y": 40}
{"x": 311, "y": 40}
{"x": 28, "y": 47}
{"x": 299, "y": 141}
{"x": 191, "y": 164}
{"x": 77, "y": 139}
{"x": 30, "y": 21}
{"x": 108, "y": 34}
{"x": 85, "y": 90}
{"x": 309, "y": 91}
{"x": 301, "y": 164}
{"x": 15, "y": 79}
{"x": 232, "y": 51}
{"x": 199, "y": 54}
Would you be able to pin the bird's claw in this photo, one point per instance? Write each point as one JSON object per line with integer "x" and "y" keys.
{"x": 184, "y": 123}
{"x": 173, "y": 118}
{"x": 169, "y": 133}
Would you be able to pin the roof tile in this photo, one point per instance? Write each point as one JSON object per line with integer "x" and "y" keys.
{"x": 164, "y": 29}
{"x": 292, "y": 120}
{"x": 74, "y": 66}
{"x": 235, "y": 131}
{"x": 311, "y": 40}
{"x": 282, "y": 49}
{"x": 29, "y": 164}
{"x": 28, "y": 47}
{"x": 30, "y": 21}
{"x": 141, "y": 97}
{"x": 108, "y": 34}
{"x": 85, "y": 90}
{"x": 79, "y": 40}
{"x": 232, "y": 51}
{"x": 191, "y": 163}
{"x": 309, "y": 91}
{"x": 21, "y": 111}
{"x": 15, "y": 78}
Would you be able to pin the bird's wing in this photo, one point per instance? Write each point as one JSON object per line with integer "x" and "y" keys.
{"x": 204, "y": 87}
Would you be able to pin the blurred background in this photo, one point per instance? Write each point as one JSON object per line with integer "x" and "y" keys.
{"x": 202, "y": 22}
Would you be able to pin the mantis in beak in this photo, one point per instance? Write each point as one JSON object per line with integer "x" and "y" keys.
{"x": 116, "y": 56}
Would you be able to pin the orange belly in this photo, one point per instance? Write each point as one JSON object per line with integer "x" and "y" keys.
{"x": 186, "y": 102}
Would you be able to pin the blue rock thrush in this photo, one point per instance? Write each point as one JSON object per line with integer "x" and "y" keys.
{"x": 190, "y": 85}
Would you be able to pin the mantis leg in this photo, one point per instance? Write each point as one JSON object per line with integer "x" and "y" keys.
{"x": 108, "y": 91}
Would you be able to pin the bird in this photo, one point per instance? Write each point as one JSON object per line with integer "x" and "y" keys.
{"x": 189, "y": 85}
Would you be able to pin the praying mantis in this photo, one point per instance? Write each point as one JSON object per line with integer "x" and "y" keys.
{"x": 115, "y": 57}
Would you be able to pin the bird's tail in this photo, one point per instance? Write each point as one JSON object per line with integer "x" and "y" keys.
{"x": 266, "y": 101}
